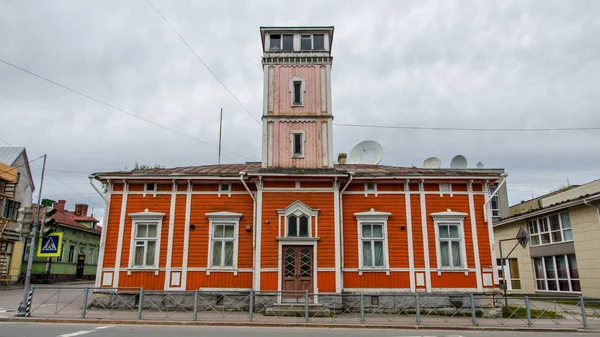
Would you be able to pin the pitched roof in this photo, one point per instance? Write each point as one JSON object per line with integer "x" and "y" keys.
{"x": 8, "y": 155}
{"x": 67, "y": 219}
{"x": 253, "y": 168}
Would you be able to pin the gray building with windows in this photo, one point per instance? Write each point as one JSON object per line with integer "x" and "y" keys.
{"x": 563, "y": 253}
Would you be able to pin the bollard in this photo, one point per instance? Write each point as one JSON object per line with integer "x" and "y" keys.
{"x": 140, "y": 303}
{"x": 362, "y": 308}
{"x": 85, "y": 299}
{"x": 29, "y": 300}
{"x": 196, "y": 305}
{"x": 527, "y": 311}
{"x": 583, "y": 315}
{"x": 251, "y": 313}
{"x": 306, "y": 305}
{"x": 473, "y": 313}
{"x": 418, "y": 305}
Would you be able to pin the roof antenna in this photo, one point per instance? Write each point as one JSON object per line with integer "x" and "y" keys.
{"x": 568, "y": 184}
{"x": 220, "y": 135}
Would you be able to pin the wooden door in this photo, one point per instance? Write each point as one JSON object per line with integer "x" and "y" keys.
{"x": 297, "y": 272}
{"x": 80, "y": 265}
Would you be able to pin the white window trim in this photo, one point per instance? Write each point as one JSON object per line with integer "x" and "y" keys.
{"x": 312, "y": 42}
{"x": 447, "y": 191}
{"x": 373, "y": 191}
{"x": 146, "y": 217}
{"x": 302, "y": 91}
{"x": 303, "y": 136}
{"x": 222, "y": 218}
{"x": 445, "y": 218}
{"x": 147, "y": 191}
{"x": 227, "y": 192}
{"x": 549, "y": 231}
{"x": 298, "y": 208}
{"x": 368, "y": 218}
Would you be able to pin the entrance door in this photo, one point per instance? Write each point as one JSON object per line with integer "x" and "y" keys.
{"x": 297, "y": 272}
{"x": 80, "y": 264}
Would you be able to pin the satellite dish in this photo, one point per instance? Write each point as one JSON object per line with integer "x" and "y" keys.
{"x": 458, "y": 162}
{"x": 432, "y": 162}
{"x": 480, "y": 165}
{"x": 366, "y": 152}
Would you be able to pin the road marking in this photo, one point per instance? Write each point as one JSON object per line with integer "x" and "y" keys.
{"x": 83, "y": 332}
{"x": 78, "y": 333}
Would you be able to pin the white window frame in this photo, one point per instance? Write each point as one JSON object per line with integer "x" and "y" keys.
{"x": 145, "y": 217}
{"x": 556, "y": 278}
{"x": 373, "y": 217}
{"x": 298, "y": 208}
{"x": 297, "y": 214}
{"x": 312, "y": 41}
{"x": 450, "y": 218}
{"x": 537, "y": 223}
{"x": 91, "y": 254}
{"x": 150, "y": 191}
{"x": 268, "y": 49}
{"x": 370, "y": 191}
{"x": 303, "y": 140}
{"x": 494, "y": 200}
{"x": 223, "y": 218}
{"x": 221, "y": 191}
{"x": 71, "y": 258}
{"x": 446, "y": 188}
{"x": 302, "y": 91}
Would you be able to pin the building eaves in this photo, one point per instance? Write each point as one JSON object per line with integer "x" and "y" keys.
{"x": 548, "y": 209}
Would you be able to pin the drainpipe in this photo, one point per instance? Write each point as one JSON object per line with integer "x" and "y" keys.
{"x": 503, "y": 177}
{"x": 587, "y": 202}
{"x": 350, "y": 176}
{"x": 96, "y": 188}
{"x": 242, "y": 175}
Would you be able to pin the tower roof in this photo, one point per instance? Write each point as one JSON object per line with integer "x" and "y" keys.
{"x": 307, "y": 29}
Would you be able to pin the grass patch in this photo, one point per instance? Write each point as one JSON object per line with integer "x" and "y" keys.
{"x": 514, "y": 312}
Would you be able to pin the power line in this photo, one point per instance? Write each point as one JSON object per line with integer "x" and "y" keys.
{"x": 465, "y": 129}
{"x": 202, "y": 61}
{"x": 118, "y": 109}
{"x": 16, "y": 167}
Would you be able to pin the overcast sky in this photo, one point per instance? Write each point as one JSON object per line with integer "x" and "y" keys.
{"x": 479, "y": 64}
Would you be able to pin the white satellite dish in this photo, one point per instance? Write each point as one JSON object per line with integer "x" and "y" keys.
{"x": 432, "y": 162}
{"x": 458, "y": 162}
{"x": 480, "y": 165}
{"x": 366, "y": 152}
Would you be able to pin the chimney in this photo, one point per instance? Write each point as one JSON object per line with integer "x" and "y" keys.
{"x": 60, "y": 206}
{"x": 342, "y": 158}
{"x": 84, "y": 210}
{"x": 77, "y": 210}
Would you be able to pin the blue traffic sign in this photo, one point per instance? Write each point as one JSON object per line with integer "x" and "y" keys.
{"x": 50, "y": 246}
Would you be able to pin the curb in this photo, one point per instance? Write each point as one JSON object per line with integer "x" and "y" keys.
{"x": 290, "y": 325}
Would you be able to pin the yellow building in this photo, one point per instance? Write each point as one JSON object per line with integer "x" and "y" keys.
{"x": 563, "y": 255}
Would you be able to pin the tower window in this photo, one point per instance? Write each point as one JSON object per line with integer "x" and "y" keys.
{"x": 297, "y": 93}
{"x": 297, "y": 144}
{"x": 306, "y": 42}
{"x": 288, "y": 42}
{"x": 275, "y": 43}
{"x": 319, "y": 42}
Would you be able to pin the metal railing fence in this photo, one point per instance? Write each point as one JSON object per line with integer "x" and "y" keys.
{"x": 419, "y": 309}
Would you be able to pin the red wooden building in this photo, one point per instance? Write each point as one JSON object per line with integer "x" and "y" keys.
{"x": 297, "y": 221}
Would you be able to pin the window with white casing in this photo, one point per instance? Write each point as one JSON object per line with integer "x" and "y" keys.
{"x": 370, "y": 188}
{"x": 557, "y": 273}
{"x": 281, "y": 42}
{"x": 223, "y": 238}
{"x": 549, "y": 229}
{"x": 297, "y": 220}
{"x": 450, "y": 242}
{"x": 312, "y": 42}
{"x": 145, "y": 239}
{"x": 372, "y": 240}
{"x": 297, "y": 143}
{"x": 297, "y": 90}
{"x": 494, "y": 204}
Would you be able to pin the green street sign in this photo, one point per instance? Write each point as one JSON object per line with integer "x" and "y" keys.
{"x": 47, "y": 202}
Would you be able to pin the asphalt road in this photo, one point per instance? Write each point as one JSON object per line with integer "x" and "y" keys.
{"x": 89, "y": 330}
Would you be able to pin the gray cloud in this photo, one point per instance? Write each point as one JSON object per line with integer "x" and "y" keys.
{"x": 472, "y": 64}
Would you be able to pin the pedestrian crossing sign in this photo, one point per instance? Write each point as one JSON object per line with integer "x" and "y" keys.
{"x": 50, "y": 246}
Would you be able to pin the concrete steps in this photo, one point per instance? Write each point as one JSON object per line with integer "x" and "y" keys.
{"x": 297, "y": 310}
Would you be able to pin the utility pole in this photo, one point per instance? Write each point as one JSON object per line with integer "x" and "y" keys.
{"x": 220, "y": 135}
{"x": 23, "y": 307}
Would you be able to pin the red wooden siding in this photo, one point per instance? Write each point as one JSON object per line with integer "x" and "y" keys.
{"x": 376, "y": 280}
{"x": 147, "y": 279}
{"x": 178, "y": 231}
{"x": 199, "y": 279}
{"x": 268, "y": 281}
{"x": 112, "y": 231}
{"x": 453, "y": 280}
{"x": 326, "y": 281}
